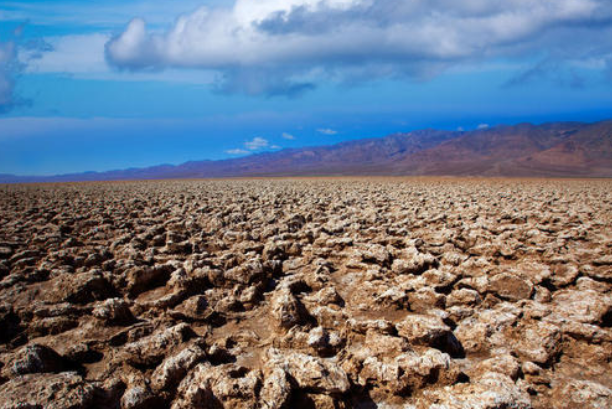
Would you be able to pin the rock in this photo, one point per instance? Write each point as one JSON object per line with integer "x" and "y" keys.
{"x": 381, "y": 326}
{"x": 537, "y": 341}
{"x": 463, "y": 296}
{"x": 322, "y": 340}
{"x": 406, "y": 372}
{"x": 593, "y": 334}
{"x": 440, "y": 279}
{"x": 533, "y": 271}
{"x": 138, "y": 397}
{"x": 429, "y": 331}
{"x": 599, "y": 272}
{"x": 385, "y": 345}
{"x": 82, "y": 288}
{"x": 328, "y": 316}
{"x": 326, "y": 296}
{"x": 425, "y": 299}
{"x": 309, "y": 372}
{"x": 114, "y": 311}
{"x": 174, "y": 368}
{"x": 510, "y": 287}
{"x": 587, "y": 283}
{"x": 392, "y": 297}
{"x": 52, "y": 326}
{"x": 287, "y": 310}
{"x": 320, "y": 401}
{"x": 50, "y": 391}
{"x": 247, "y": 273}
{"x": 226, "y": 385}
{"x": 413, "y": 262}
{"x": 491, "y": 391}
{"x": 276, "y": 390}
{"x": 37, "y": 358}
{"x": 603, "y": 261}
{"x": 564, "y": 275}
{"x": 195, "y": 308}
{"x": 422, "y": 329}
{"x": 530, "y": 368}
{"x": 140, "y": 279}
{"x": 375, "y": 253}
{"x": 580, "y": 394}
{"x": 374, "y": 372}
{"x": 473, "y": 335}
{"x": 586, "y": 306}
{"x": 504, "y": 364}
{"x": 152, "y": 349}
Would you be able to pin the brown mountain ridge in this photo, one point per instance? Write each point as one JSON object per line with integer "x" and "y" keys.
{"x": 560, "y": 149}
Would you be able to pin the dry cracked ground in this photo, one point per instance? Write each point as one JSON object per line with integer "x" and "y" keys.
{"x": 307, "y": 293}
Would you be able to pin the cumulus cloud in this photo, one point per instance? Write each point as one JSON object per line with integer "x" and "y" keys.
{"x": 256, "y": 144}
{"x": 82, "y": 57}
{"x": 483, "y": 126}
{"x": 327, "y": 131}
{"x": 285, "y": 46}
{"x": 288, "y": 136}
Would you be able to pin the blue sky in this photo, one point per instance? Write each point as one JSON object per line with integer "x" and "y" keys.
{"x": 97, "y": 85}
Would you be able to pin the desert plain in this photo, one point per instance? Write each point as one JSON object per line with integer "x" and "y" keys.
{"x": 409, "y": 293}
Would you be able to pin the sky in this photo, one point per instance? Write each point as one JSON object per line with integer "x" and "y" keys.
{"x": 94, "y": 85}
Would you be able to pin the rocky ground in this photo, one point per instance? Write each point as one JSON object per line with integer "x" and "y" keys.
{"x": 310, "y": 293}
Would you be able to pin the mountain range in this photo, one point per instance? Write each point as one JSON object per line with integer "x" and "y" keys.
{"x": 559, "y": 149}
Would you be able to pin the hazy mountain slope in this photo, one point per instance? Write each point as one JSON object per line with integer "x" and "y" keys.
{"x": 559, "y": 149}
{"x": 587, "y": 152}
{"x": 553, "y": 149}
{"x": 486, "y": 151}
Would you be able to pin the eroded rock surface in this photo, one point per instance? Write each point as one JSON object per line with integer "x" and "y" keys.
{"x": 310, "y": 293}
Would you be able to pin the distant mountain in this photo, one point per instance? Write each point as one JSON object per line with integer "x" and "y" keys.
{"x": 563, "y": 149}
{"x": 556, "y": 149}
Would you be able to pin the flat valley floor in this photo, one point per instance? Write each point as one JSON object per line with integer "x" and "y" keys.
{"x": 387, "y": 293}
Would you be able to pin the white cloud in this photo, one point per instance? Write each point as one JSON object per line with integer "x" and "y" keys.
{"x": 236, "y": 151}
{"x": 256, "y": 144}
{"x": 483, "y": 126}
{"x": 288, "y": 136}
{"x": 363, "y": 39}
{"x": 82, "y": 56}
{"x": 327, "y": 131}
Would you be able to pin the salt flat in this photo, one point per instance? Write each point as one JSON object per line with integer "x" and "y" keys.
{"x": 309, "y": 292}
